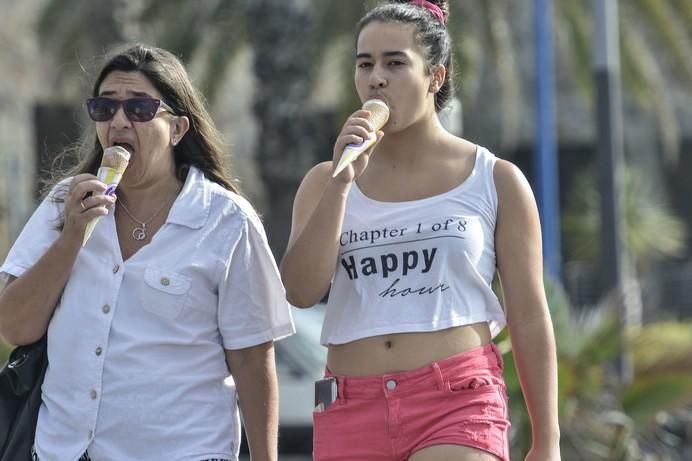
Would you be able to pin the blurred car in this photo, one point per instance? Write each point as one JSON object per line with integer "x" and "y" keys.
{"x": 300, "y": 360}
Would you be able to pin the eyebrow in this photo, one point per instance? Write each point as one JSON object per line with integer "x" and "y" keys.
{"x": 385, "y": 54}
{"x": 139, "y": 94}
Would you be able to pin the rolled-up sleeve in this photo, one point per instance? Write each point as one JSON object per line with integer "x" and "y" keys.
{"x": 252, "y": 301}
{"x": 39, "y": 233}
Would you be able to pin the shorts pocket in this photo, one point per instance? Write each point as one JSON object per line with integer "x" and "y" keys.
{"x": 481, "y": 396}
{"x": 164, "y": 292}
{"x": 475, "y": 384}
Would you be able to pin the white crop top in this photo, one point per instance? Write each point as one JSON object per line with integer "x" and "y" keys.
{"x": 416, "y": 266}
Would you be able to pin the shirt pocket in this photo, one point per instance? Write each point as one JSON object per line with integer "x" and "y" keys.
{"x": 164, "y": 291}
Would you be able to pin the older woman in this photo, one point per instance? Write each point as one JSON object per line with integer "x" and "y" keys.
{"x": 175, "y": 287}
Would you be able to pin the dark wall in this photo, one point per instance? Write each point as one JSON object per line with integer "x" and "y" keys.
{"x": 56, "y": 127}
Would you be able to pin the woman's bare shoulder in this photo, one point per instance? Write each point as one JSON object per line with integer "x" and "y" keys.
{"x": 510, "y": 180}
{"x": 317, "y": 177}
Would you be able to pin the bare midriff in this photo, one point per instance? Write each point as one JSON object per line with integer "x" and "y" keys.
{"x": 378, "y": 355}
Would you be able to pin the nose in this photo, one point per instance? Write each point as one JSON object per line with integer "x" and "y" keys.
{"x": 377, "y": 79}
{"x": 119, "y": 119}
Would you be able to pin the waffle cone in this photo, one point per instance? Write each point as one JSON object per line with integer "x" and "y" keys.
{"x": 379, "y": 113}
{"x": 113, "y": 164}
{"x": 115, "y": 157}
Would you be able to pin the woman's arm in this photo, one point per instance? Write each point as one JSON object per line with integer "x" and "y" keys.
{"x": 27, "y": 302}
{"x": 313, "y": 246}
{"x": 520, "y": 265}
{"x": 254, "y": 373}
{"x": 318, "y": 213}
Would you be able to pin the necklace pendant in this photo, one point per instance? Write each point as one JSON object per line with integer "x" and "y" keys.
{"x": 139, "y": 233}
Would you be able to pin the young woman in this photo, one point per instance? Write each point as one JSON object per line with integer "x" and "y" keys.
{"x": 409, "y": 238}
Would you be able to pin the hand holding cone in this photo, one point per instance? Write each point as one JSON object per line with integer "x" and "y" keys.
{"x": 379, "y": 114}
{"x": 113, "y": 164}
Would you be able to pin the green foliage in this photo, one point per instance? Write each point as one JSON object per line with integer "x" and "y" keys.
{"x": 651, "y": 228}
{"x": 653, "y": 393}
{"x": 656, "y": 42}
{"x": 176, "y": 26}
{"x": 212, "y": 31}
{"x": 573, "y": 25}
{"x": 662, "y": 360}
{"x": 588, "y": 344}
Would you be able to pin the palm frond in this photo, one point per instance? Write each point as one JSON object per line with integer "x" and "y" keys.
{"x": 649, "y": 395}
{"x": 466, "y": 28}
{"x": 672, "y": 31}
{"x": 651, "y": 228}
{"x": 335, "y": 20}
{"x": 228, "y": 36}
{"x": 576, "y": 39}
{"x": 507, "y": 72}
{"x": 662, "y": 347}
{"x": 649, "y": 84}
{"x": 61, "y": 29}
{"x": 684, "y": 11}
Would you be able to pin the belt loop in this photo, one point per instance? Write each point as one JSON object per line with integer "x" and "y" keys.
{"x": 340, "y": 389}
{"x": 498, "y": 354}
{"x": 439, "y": 379}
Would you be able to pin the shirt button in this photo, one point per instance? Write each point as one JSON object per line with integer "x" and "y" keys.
{"x": 91, "y": 434}
{"x": 391, "y": 384}
{"x": 98, "y": 351}
{"x": 93, "y": 394}
{"x": 106, "y": 308}
{"x": 165, "y": 281}
{"x": 116, "y": 268}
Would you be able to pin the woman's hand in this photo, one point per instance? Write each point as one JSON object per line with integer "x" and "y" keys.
{"x": 356, "y": 129}
{"x": 85, "y": 201}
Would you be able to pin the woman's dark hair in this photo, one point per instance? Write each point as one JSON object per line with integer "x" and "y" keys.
{"x": 431, "y": 35}
{"x": 202, "y": 145}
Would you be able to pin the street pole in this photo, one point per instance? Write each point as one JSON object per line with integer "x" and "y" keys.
{"x": 545, "y": 154}
{"x": 610, "y": 161}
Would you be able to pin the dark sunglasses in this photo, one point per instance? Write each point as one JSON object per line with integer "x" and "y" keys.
{"x": 102, "y": 109}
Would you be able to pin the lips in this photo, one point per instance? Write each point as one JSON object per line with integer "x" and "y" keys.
{"x": 381, "y": 98}
{"x": 125, "y": 145}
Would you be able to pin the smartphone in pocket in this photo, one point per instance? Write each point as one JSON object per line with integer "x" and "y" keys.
{"x": 326, "y": 393}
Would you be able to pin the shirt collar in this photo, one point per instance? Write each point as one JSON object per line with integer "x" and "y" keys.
{"x": 191, "y": 208}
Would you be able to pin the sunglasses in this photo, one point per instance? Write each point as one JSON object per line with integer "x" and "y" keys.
{"x": 102, "y": 109}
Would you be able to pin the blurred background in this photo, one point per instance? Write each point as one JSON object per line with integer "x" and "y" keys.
{"x": 591, "y": 99}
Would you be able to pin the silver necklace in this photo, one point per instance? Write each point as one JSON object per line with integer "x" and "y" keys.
{"x": 140, "y": 232}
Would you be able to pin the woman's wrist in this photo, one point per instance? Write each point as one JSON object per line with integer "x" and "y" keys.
{"x": 546, "y": 437}
{"x": 338, "y": 186}
{"x": 69, "y": 242}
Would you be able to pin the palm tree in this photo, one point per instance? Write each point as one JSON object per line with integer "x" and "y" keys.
{"x": 491, "y": 53}
{"x": 598, "y": 420}
{"x": 652, "y": 231}
{"x": 286, "y": 147}
{"x": 488, "y": 36}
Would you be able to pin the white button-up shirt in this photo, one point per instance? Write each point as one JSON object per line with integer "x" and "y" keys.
{"x": 136, "y": 348}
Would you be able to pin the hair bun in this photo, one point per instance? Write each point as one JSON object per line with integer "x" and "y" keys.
{"x": 443, "y": 6}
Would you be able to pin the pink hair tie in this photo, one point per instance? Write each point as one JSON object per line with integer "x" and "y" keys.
{"x": 434, "y": 9}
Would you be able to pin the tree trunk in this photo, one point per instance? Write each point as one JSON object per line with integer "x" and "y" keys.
{"x": 281, "y": 43}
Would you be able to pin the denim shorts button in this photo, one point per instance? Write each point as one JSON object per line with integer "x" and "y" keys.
{"x": 391, "y": 384}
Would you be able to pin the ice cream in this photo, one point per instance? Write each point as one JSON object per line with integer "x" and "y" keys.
{"x": 113, "y": 164}
{"x": 379, "y": 114}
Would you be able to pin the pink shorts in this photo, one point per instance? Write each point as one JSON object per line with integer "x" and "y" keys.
{"x": 461, "y": 400}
